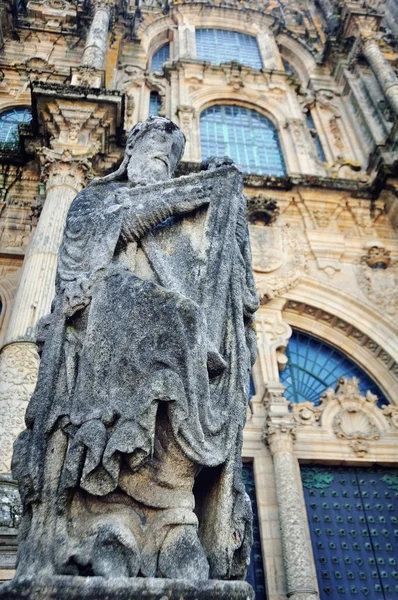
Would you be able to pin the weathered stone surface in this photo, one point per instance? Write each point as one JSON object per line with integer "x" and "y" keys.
{"x": 131, "y": 461}
{"x": 96, "y": 588}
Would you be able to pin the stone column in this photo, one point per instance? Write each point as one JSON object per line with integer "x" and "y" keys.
{"x": 382, "y": 69}
{"x": 298, "y": 560}
{"x": 18, "y": 359}
{"x": 96, "y": 43}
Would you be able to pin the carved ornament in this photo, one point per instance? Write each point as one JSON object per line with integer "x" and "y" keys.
{"x": 377, "y": 277}
{"x": 279, "y": 259}
{"x": 346, "y": 412}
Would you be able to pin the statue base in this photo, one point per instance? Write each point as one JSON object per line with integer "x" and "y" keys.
{"x": 63, "y": 587}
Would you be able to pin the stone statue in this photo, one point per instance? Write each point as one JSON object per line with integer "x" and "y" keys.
{"x": 130, "y": 464}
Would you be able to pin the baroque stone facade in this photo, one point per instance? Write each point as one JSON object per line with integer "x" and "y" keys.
{"x": 322, "y": 221}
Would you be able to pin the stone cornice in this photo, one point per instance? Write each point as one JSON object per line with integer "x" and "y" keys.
{"x": 358, "y": 189}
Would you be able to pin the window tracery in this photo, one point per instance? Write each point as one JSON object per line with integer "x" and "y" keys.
{"x": 220, "y": 46}
{"x": 160, "y": 57}
{"x": 243, "y": 134}
{"x": 314, "y": 366}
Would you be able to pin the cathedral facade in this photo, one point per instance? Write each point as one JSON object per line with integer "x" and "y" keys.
{"x": 303, "y": 96}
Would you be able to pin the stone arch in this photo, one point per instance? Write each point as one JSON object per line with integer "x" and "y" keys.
{"x": 298, "y": 56}
{"x": 156, "y": 35}
{"x": 356, "y": 329}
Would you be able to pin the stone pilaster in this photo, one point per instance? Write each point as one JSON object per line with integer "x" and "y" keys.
{"x": 297, "y": 555}
{"x": 19, "y": 360}
{"x": 382, "y": 69}
{"x": 273, "y": 334}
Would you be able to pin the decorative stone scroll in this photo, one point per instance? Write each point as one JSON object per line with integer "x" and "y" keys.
{"x": 278, "y": 256}
{"x": 348, "y": 414}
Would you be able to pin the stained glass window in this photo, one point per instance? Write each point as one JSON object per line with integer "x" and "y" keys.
{"x": 313, "y": 366}
{"x": 220, "y": 46}
{"x": 255, "y": 574}
{"x": 160, "y": 57}
{"x": 315, "y": 136}
{"x": 244, "y": 135}
{"x": 154, "y": 104}
{"x": 9, "y": 121}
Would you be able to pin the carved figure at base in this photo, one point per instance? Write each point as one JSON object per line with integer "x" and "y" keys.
{"x": 131, "y": 461}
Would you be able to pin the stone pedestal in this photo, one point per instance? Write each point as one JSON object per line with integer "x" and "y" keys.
{"x": 138, "y": 588}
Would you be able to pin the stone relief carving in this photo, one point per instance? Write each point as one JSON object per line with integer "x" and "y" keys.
{"x": 306, "y": 413}
{"x": 20, "y": 363}
{"x": 391, "y": 412}
{"x": 133, "y": 402}
{"x": 377, "y": 277}
{"x": 348, "y": 414}
{"x": 278, "y": 259}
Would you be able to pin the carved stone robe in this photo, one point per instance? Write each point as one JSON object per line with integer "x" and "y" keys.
{"x": 169, "y": 324}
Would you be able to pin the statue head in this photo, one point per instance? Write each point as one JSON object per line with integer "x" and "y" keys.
{"x": 153, "y": 150}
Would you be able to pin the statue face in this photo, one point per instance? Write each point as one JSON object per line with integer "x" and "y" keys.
{"x": 154, "y": 156}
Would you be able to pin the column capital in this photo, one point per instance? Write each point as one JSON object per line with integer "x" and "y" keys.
{"x": 107, "y": 5}
{"x": 63, "y": 168}
{"x": 75, "y": 120}
{"x": 280, "y": 436}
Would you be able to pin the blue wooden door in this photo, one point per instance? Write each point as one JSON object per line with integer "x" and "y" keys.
{"x": 255, "y": 574}
{"x": 353, "y": 519}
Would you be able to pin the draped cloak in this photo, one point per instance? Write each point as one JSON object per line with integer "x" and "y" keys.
{"x": 163, "y": 305}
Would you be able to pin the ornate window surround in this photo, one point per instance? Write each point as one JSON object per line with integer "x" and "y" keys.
{"x": 251, "y": 113}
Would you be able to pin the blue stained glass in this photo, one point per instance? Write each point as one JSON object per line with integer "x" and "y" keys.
{"x": 160, "y": 57}
{"x": 314, "y": 366}
{"x": 220, "y": 46}
{"x": 255, "y": 573}
{"x": 9, "y": 121}
{"x": 312, "y": 128}
{"x": 154, "y": 104}
{"x": 245, "y": 135}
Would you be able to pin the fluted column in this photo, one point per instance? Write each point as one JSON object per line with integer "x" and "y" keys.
{"x": 297, "y": 554}
{"x": 96, "y": 43}
{"x": 18, "y": 359}
{"x": 382, "y": 69}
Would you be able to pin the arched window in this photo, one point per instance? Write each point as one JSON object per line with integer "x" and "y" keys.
{"x": 245, "y": 135}
{"x": 160, "y": 57}
{"x": 9, "y": 121}
{"x": 314, "y": 366}
{"x": 220, "y": 46}
{"x": 154, "y": 104}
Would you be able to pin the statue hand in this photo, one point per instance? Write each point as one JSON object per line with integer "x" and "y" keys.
{"x": 76, "y": 297}
{"x": 214, "y": 162}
